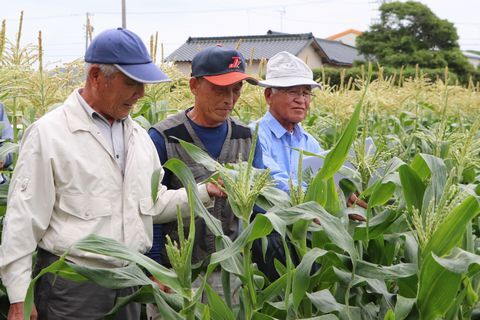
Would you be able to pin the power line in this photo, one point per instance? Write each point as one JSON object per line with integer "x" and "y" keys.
{"x": 48, "y": 17}
{"x": 180, "y": 11}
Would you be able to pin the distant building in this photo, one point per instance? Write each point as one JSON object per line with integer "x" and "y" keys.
{"x": 473, "y": 58}
{"x": 255, "y": 48}
{"x": 348, "y": 37}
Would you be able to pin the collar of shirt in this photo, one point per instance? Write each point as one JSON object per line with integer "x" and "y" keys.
{"x": 279, "y": 131}
{"x": 113, "y": 133}
{"x": 90, "y": 111}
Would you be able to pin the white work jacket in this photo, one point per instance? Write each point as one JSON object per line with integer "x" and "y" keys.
{"x": 67, "y": 185}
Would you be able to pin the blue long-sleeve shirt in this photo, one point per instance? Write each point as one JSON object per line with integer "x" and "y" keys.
{"x": 278, "y": 149}
{"x": 212, "y": 139}
{"x": 7, "y": 133}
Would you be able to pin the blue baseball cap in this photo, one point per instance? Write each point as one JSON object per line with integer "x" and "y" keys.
{"x": 126, "y": 51}
{"x": 220, "y": 66}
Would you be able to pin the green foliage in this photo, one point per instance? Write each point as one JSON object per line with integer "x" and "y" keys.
{"x": 415, "y": 258}
{"x": 409, "y": 33}
{"x": 345, "y": 78}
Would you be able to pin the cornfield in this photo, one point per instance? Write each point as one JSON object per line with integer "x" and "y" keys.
{"x": 415, "y": 257}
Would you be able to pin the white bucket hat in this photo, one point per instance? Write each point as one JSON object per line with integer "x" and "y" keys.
{"x": 286, "y": 70}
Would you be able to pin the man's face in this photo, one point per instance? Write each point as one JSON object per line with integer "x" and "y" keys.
{"x": 289, "y": 105}
{"x": 213, "y": 104}
{"x": 117, "y": 95}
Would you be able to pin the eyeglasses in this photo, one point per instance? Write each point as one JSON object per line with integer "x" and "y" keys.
{"x": 292, "y": 93}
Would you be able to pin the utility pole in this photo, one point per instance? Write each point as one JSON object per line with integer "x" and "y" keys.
{"x": 282, "y": 16}
{"x": 87, "y": 27}
{"x": 124, "y": 14}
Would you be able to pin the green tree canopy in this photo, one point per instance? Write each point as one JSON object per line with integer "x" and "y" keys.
{"x": 409, "y": 33}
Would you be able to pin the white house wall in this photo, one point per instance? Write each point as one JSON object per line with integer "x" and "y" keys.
{"x": 310, "y": 57}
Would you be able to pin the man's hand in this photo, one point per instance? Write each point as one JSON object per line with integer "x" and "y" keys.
{"x": 356, "y": 217}
{"x": 16, "y": 312}
{"x": 355, "y": 200}
{"x": 214, "y": 190}
{"x": 162, "y": 287}
{"x": 352, "y": 201}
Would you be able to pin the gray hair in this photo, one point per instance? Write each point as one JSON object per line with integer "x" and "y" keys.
{"x": 107, "y": 69}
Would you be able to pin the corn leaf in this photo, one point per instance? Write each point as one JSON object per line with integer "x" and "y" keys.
{"x": 332, "y": 225}
{"x": 8, "y": 147}
{"x": 262, "y": 316}
{"x": 326, "y": 303}
{"x": 114, "y": 278}
{"x": 109, "y": 247}
{"x": 335, "y": 158}
{"x": 155, "y": 184}
{"x": 460, "y": 261}
{"x": 218, "y": 308}
{"x": 333, "y": 203}
{"x": 381, "y": 194}
{"x": 403, "y": 307}
{"x": 260, "y": 227}
{"x": 430, "y": 166}
{"x": 185, "y": 175}
{"x": 150, "y": 294}
{"x": 59, "y": 266}
{"x": 275, "y": 289}
{"x": 373, "y": 285}
{"x": 180, "y": 169}
{"x": 301, "y": 277}
{"x": 317, "y": 191}
{"x": 437, "y": 290}
{"x": 450, "y": 232}
{"x": 375, "y": 271}
{"x": 199, "y": 155}
{"x": 273, "y": 197}
{"x": 377, "y": 226}
{"x": 413, "y": 187}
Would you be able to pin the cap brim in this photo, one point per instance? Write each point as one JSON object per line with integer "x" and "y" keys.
{"x": 227, "y": 79}
{"x": 288, "y": 82}
{"x": 144, "y": 73}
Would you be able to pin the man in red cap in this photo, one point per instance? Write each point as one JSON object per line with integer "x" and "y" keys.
{"x": 216, "y": 82}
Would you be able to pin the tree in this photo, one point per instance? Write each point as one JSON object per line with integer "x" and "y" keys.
{"x": 409, "y": 33}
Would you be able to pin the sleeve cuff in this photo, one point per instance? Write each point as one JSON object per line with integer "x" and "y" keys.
{"x": 17, "y": 293}
{"x": 204, "y": 196}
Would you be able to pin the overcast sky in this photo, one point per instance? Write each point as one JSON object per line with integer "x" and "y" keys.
{"x": 63, "y": 22}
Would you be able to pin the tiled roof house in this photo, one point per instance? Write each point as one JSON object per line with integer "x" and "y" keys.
{"x": 255, "y": 48}
{"x": 348, "y": 37}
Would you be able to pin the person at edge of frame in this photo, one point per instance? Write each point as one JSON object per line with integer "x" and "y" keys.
{"x": 7, "y": 135}
{"x": 85, "y": 168}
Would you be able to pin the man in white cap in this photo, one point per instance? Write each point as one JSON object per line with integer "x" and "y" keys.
{"x": 289, "y": 84}
{"x": 86, "y": 168}
{"x": 288, "y": 92}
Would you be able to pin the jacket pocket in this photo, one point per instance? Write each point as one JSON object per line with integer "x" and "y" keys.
{"x": 147, "y": 207}
{"x": 85, "y": 207}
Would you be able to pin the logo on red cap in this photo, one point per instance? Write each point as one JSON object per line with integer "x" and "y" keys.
{"x": 235, "y": 64}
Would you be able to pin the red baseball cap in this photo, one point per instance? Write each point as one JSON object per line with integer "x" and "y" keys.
{"x": 221, "y": 66}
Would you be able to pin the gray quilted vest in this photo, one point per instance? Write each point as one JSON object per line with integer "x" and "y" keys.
{"x": 237, "y": 142}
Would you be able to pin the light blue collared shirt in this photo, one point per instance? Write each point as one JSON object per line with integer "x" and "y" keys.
{"x": 277, "y": 148}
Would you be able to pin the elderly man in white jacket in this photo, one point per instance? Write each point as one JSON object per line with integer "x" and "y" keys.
{"x": 86, "y": 168}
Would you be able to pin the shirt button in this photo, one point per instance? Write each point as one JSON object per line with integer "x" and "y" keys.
{"x": 24, "y": 185}
{"x": 118, "y": 156}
